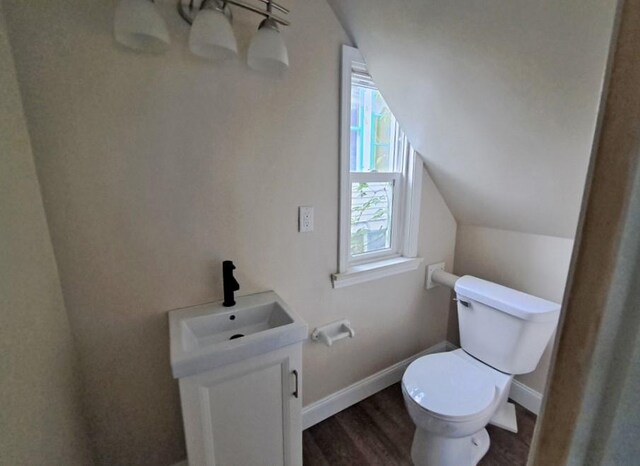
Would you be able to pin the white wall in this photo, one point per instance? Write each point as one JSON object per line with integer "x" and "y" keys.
{"x": 535, "y": 264}
{"x": 500, "y": 98}
{"x": 156, "y": 168}
{"x": 40, "y": 416}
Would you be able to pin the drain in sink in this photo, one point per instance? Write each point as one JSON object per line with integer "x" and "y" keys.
{"x": 237, "y": 335}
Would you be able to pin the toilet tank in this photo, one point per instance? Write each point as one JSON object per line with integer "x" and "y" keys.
{"x": 504, "y": 328}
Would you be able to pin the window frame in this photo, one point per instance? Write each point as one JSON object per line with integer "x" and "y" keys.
{"x": 396, "y": 213}
{"x": 407, "y": 178}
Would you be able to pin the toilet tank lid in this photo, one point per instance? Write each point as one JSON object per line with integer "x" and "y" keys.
{"x": 516, "y": 303}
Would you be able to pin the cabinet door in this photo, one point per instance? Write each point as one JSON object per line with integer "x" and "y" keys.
{"x": 247, "y": 413}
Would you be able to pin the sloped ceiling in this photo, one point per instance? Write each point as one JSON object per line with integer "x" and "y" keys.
{"x": 499, "y": 97}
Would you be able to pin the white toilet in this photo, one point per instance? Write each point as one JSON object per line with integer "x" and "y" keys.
{"x": 452, "y": 396}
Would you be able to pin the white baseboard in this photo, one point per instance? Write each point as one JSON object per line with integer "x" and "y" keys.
{"x": 328, "y": 406}
{"x": 525, "y": 396}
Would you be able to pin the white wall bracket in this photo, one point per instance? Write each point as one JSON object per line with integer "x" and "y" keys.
{"x": 429, "y": 283}
{"x": 332, "y": 332}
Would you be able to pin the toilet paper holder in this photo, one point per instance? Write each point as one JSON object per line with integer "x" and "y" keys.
{"x": 332, "y": 332}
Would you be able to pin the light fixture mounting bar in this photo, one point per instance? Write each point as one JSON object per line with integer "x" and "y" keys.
{"x": 264, "y": 13}
{"x": 188, "y": 9}
{"x": 275, "y": 5}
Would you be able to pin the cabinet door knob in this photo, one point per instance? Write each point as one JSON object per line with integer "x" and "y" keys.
{"x": 295, "y": 374}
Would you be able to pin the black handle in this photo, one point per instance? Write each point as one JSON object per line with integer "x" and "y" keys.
{"x": 295, "y": 374}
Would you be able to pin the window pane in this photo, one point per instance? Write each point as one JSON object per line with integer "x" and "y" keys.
{"x": 372, "y": 131}
{"x": 371, "y": 207}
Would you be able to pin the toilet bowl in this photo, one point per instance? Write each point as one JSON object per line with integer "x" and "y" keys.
{"x": 451, "y": 397}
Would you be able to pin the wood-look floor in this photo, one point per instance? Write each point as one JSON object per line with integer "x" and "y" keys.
{"x": 379, "y": 431}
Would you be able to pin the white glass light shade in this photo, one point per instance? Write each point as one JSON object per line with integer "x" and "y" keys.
{"x": 267, "y": 51}
{"x": 211, "y": 36}
{"x": 139, "y": 26}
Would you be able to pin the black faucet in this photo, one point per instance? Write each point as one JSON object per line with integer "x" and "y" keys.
{"x": 229, "y": 283}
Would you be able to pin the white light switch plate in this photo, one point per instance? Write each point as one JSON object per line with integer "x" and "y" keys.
{"x": 430, "y": 269}
{"x": 305, "y": 219}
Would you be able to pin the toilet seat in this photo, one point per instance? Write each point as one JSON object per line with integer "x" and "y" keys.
{"x": 449, "y": 387}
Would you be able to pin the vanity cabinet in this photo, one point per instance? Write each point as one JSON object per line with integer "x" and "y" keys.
{"x": 246, "y": 413}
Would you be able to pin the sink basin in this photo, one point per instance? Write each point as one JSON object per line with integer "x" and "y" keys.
{"x": 210, "y": 335}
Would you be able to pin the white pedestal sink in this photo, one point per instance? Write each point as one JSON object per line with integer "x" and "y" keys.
{"x": 239, "y": 370}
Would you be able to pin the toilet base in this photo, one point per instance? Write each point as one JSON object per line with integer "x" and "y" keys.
{"x": 429, "y": 449}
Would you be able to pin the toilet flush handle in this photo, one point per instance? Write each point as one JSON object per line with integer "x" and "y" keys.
{"x": 464, "y": 303}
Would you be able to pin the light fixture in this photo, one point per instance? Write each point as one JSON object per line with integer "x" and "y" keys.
{"x": 211, "y": 34}
{"x": 139, "y": 26}
{"x": 212, "y": 37}
{"x": 267, "y": 51}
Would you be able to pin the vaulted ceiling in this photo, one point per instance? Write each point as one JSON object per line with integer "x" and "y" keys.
{"x": 499, "y": 97}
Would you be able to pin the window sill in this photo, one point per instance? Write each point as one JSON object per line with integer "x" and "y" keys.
{"x": 375, "y": 270}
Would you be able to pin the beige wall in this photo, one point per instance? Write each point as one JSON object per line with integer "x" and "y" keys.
{"x": 499, "y": 97}
{"x": 40, "y": 417}
{"x": 156, "y": 168}
{"x": 535, "y": 264}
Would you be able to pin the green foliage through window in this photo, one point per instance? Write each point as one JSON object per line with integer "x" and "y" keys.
{"x": 371, "y": 205}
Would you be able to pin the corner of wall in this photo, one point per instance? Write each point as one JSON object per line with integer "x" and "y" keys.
{"x": 41, "y": 391}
